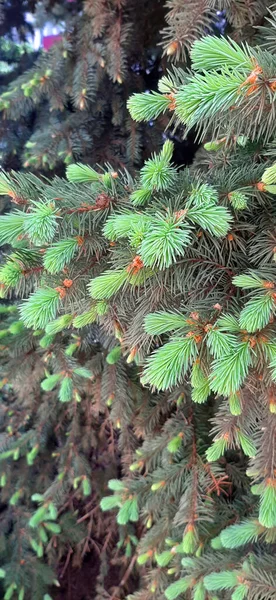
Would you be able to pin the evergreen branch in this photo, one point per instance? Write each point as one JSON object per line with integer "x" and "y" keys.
{"x": 40, "y": 223}
{"x": 144, "y": 107}
{"x": 164, "y": 241}
{"x": 213, "y": 53}
{"x": 215, "y": 219}
{"x": 11, "y": 227}
{"x": 167, "y": 366}
{"x": 230, "y": 370}
{"x": 162, "y": 322}
{"x": 206, "y": 95}
{"x": 107, "y": 284}
{"x": 40, "y": 308}
{"x": 79, "y": 173}
{"x": 257, "y": 313}
{"x": 60, "y": 254}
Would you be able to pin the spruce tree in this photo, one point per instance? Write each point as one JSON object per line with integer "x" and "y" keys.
{"x": 140, "y": 348}
{"x": 76, "y": 91}
{"x": 16, "y": 56}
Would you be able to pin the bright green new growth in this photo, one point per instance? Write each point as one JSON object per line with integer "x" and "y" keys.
{"x": 120, "y": 226}
{"x": 40, "y": 308}
{"x": 10, "y": 273}
{"x": 203, "y": 194}
{"x": 267, "y": 514}
{"x": 144, "y": 107}
{"x": 216, "y": 450}
{"x": 221, "y": 581}
{"x": 235, "y": 404}
{"x": 162, "y": 322}
{"x": 212, "y": 53}
{"x": 240, "y": 534}
{"x": 59, "y": 324}
{"x": 60, "y": 254}
{"x": 158, "y": 173}
{"x": 66, "y": 389}
{"x": 50, "y": 382}
{"x": 110, "y": 502}
{"x": 168, "y": 365}
{"x": 269, "y": 175}
{"x": 247, "y": 444}
{"x": 86, "y": 317}
{"x": 114, "y": 355}
{"x": 108, "y": 284}
{"x": 251, "y": 281}
{"x": 257, "y": 313}
{"x": 165, "y": 240}
{"x": 128, "y": 512}
{"x": 40, "y": 223}
{"x": 11, "y": 227}
{"x": 215, "y": 219}
{"x": 230, "y": 371}
{"x": 79, "y": 173}
{"x": 178, "y": 587}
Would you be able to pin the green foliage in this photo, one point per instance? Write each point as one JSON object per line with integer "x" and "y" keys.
{"x": 79, "y": 173}
{"x": 51, "y": 381}
{"x": 240, "y": 592}
{"x": 269, "y": 175}
{"x": 248, "y": 281}
{"x": 10, "y": 273}
{"x": 106, "y": 285}
{"x": 144, "y": 107}
{"x": 140, "y": 197}
{"x": 238, "y": 200}
{"x": 168, "y": 365}
{"x": 235, "y": 404}
{"x": 119, "y": 226}
{"x": 215, "y": 219}
{"x": 11, "y": 227}
{"x": 164, "y": 558}
{"x": 176, "y": 588}
{"x": 40, "y": 223}
{"x": 190, "y": 541}
{"x": 174, "y": 444}
{"x": 46, "y": 341}
{"x": 60, "y": 254}
{"x": 40, "y": 308}
{"x": 86, "y": 318}
{"x": 166, "y": 239}
{"x": 66, "y": 389}
{"x": 267, "y": 514}
{"x": 157, "y": 173}
{"x": 83, "y": 372}
{"x": 216, "y": 450}
{"x": 59, "y": 324}
{"x": 116, "y": 485}
{"x": 257, "y": 313}
{"x": 211, "y": 53}
{"x": 128, "y": 512}
{"x": 203, "y": 194}
{"x": 114, "y": 355}
{"x": 240, "y": 534}
{"x": 230, "y": 371}
{"x": 109, "y": 502}
{"x": 246, "y": 443}
{"x": 201, "y": 391}
{"x": 221, "y": 581}
{"x": 186, "y": 253}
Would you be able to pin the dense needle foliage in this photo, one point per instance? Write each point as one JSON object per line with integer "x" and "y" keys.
{"x": 138, "y": 412}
